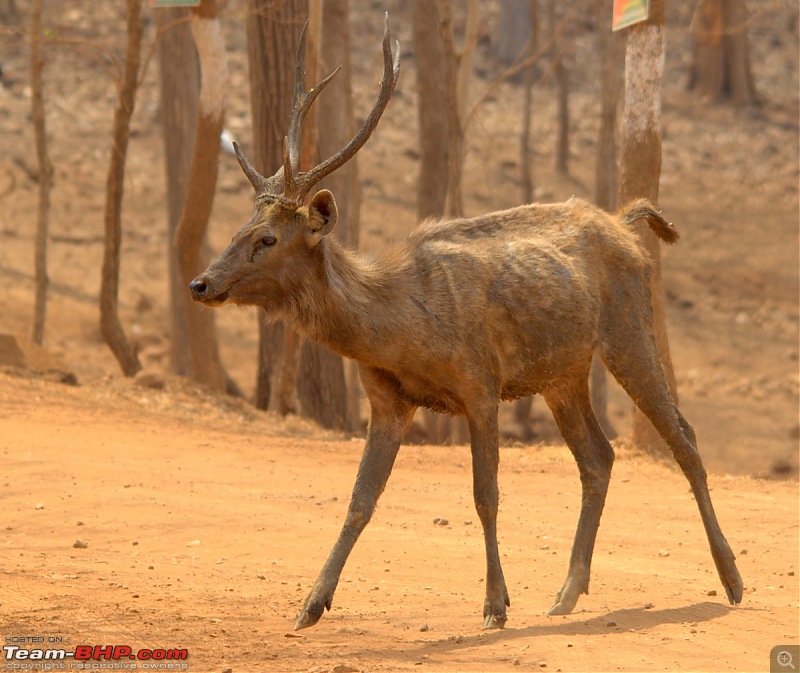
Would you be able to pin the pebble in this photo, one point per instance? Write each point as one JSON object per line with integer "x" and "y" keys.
{"x": 80, "y": 544}
{"x": 424, "y": 627}
{"x": 441, "y": 521}
{"x": 611, "y": 624}
{"x": 39, "y": 506}
{"x": 711, "y": 592}
{"x": 663, "y": 552}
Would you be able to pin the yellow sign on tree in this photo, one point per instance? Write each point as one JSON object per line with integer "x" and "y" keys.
{"x": 628, "y": 12}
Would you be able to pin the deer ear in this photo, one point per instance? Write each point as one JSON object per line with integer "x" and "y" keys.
{"x": 322, "y": 213}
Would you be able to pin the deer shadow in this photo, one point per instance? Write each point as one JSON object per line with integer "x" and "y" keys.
{"x": 624, "y": 620}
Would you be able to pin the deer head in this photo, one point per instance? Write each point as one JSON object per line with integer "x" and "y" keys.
{"x": 270, "y": 252}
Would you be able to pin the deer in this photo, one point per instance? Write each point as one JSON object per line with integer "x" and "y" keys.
{"x": 462, "y": 314}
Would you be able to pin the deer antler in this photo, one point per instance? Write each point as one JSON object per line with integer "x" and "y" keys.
{"x": 289, "y": 183}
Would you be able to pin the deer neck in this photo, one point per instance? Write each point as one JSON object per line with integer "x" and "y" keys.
{"x": 347, "y": 303}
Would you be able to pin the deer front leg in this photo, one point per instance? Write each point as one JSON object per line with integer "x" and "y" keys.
{"x": 485, "y": 460}
{"x": 389, "y": 420}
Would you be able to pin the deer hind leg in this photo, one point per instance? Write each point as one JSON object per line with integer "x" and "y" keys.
{"x": 572, "y": 410}
{"x": 485, "y": 459}
{"x": 635, "y": 364}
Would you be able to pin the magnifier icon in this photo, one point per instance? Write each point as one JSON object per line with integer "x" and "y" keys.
{"x": 785, "y": 659}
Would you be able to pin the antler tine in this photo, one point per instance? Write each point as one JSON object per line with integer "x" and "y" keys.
{"x": 391, "y": 71}
{"x": 301, "y": 102}
{"x": 262, "y": 185}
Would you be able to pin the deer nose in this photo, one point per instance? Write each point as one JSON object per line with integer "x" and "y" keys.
{"x": 198, "y": 288}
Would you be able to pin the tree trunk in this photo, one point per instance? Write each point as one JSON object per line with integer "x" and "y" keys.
{"x": 335, "y": 127}
{"x": 110, "y": 326}
{"x": 455, "y": 64}
{"x": 45, "y": 173}
{"x": 721, "y": 68}
{"x": 273, "y": 34}
{"x": 640, "y": 170}
{"x": 526, "y": 151}
{"x": 191, "y": 230}
{"x": 455, "y": 132}
{"x": 514, "y": 29}
{"x": 433, "y": 136}
{"x": 611, "y": 49}
{"x": 431, "y": 111}
{"x": 562, "y": 94}
{"x": 180, "y": 89}
{"x": 524, "y": 407}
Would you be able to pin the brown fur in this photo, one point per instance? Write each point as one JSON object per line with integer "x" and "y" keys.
{"x": 465, "y": 313}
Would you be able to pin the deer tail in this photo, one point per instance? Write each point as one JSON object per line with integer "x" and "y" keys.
{"x": 642, "y": 209}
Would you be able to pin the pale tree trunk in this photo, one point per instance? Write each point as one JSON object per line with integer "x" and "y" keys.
{"x": 335, "y": 127}
{"x": 640, "y": 171}
{"x": 721, "y": 68}
{"x": 180, "y": 90}
{"x": 110, "y": 326}
{"x": 611, "y": 49}
{"x": 273, "y": 34}
{"x": 191, "y": 230}
{"x": 45, "y": 173}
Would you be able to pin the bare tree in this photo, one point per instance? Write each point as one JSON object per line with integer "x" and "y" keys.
{"x": 611, "y": 49}
{"x": 110, "y": 326}
{"x": 324, "y": 394}
{"x": 206, "y": 366}
{"x": 45, "y": 170}
{"x": 457, "y": 69}
{"x": 431, "y": 114}
{"x": 640, "y": 171}
{"x": 721, "y": 68}
{"x": 180, "y": 91}
{"x": 514, "y": 28}
{"x": 562, "y": 89}
{"x": 273, "y": 35}
{"x": 526, "y": 151}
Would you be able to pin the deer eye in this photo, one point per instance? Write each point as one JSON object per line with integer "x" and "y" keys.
{"x": 269, "y": 241}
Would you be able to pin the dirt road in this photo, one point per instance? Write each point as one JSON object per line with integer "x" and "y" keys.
{"x": 205, "y": 529}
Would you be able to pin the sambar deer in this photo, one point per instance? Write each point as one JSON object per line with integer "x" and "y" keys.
{"x": 461, "y": 315}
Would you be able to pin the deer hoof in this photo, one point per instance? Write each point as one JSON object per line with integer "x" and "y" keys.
{"x": 494, "y": 621}
{"x": 560, "y": 609}
{"x": 734, "y": 589}
{"x": 308, "y": 617}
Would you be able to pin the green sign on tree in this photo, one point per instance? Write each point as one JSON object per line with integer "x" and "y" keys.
{"x": 628, "y": 12}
